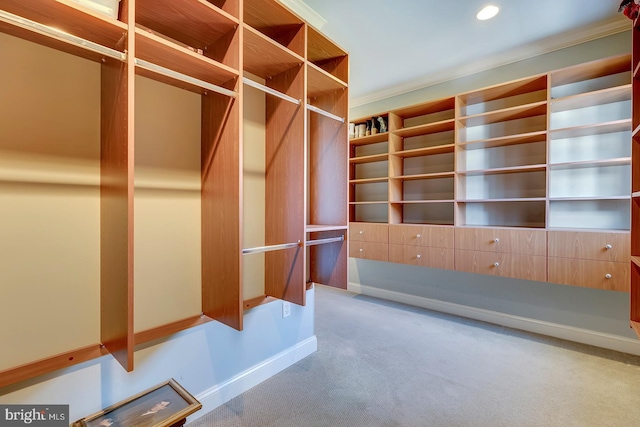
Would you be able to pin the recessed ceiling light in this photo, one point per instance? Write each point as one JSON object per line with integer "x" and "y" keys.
{"x": 488, "y": 12}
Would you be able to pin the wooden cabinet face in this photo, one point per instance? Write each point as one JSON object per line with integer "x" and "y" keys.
{"x": 516, "y": 266}
{"x": 526, "y": 267}
{"x": 369, "y": 250}
{"x": 422, "y": 256}
{"x": 422, "y": 235}
{"x": 586, "y": 245}
{"x": 528, "y": 242}
{"x": 367, "y": 232}
{"x": 612, "y": 276}
{"x": 475, "y": 262}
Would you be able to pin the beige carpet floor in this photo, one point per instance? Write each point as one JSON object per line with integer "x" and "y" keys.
{"x": 385, "y": 364}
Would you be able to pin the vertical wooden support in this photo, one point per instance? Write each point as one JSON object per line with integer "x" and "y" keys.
{"x": 116, "y": 203}
{"x": 222, "y": 208}
{"x": 285, "y": 192}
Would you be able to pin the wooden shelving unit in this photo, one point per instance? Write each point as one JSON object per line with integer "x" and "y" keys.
{"x": 205, "y": 53}
{"x": 534, "y": 159}
{"x": 634, "y": 309}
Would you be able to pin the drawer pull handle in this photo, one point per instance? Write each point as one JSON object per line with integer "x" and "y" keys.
{"x": 496, "y": 264}
{"x": 496, "y": 240}
{"x": 418, "y": 256}
{"x": 418, "y": 236}
{"x": 361, "y": 250}
{"x": 608, "y": 247}
{"x": 607, "y": 276}
{"x": 361, "y": 232}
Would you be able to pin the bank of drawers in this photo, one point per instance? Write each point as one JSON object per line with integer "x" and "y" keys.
{"x": 580, "y": 258}
{"x": 594, "y": 260}
{"x": 422, "y": 245}
{"x": 369, "y": 241}
{"x": 519, "y": 254}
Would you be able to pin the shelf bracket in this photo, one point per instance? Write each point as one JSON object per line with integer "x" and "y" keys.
{"x": 36, "y": 27}
{"x": 183, "y": 77}
{"x": 270, "y": 91}
{"x": 271, "y": 248}
{"x": 324, "y": 113}
{"x": 325, "y": 241}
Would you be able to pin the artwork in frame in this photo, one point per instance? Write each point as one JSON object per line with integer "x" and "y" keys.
{"x": 164, "y": 405}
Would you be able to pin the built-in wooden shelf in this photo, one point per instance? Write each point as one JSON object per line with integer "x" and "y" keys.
{"x": 427, "y": 151}
{"x": 499, "y": 171}
{"x": 513, "y": 113}
{"x": 437, "y": 175}
{"x": 369, "y": 159}
{"x": 600, "y": 97}
{"x": 320, "y": 82}
{"x": 437, "y": 127}
{"x": 266, "y": 58}
{"x": 370, "y": 139}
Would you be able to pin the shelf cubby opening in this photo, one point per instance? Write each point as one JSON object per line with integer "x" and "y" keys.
{"x": 320, "y": 83}
{"x": 618, "y": 109}
{"x": 276, "y": 22}
{"x": 591, "y": 76}
{"x": 426, "y": 114}
{"x": 486, "y": 128}
{"x": 69, "y": 17}
{"x": 506, "y": 156}
{"x": 590, "y": 181}
{"x": 589, "y": 147}
{"x": 525, "y": 214}
{"x": 370, "y": 192}
{"x": 369, "y": 212}
{"x": 327, "y": 55}
{"x": 516, "y": 185}
{"x": 265, "y": 58}
{"x": 492, "y": 99}
{"x": 430, "y": 140}
{"x": 378, "y": 169}
{"x": 370, "y": 149}
{"x": 433, "y": 213}
{"x": 161, "y": 52}
{"x": 590, "y": 214}
{"x": 428, "y": 189}
{"x": 427, "y": 164}
{"x": 199, "y": 26}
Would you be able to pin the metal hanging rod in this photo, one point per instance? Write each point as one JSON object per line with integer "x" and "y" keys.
{"x": 324, "y": 241}
{"x": 183, "y": 77}
{"x": 261, "y": 249}
{"x": 35, "y": 27}
{"x": 324, "y": 113}
{"x": 270, "y": 91}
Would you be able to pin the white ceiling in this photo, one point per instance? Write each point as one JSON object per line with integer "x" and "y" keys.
{"x": 396, "y": 46}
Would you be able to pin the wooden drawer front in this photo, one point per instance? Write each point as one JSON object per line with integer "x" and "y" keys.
{"x": 526, "y": 267}
{"x": 516, "y": 266}
{"x": 422, "y": 256}
{"x": 588, "y": 245}
{"x": 422, "y": 235}
{"x": 369, "y": 250}
{"x": 527, "y": 242}
{"x": 367, "y": 232}
{"x": 475, "y": 262}
{"x": 607, "y": 275}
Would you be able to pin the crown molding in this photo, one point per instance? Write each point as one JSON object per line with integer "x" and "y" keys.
{"x": 550, "y": 44}
{"x": 306, "y": 12}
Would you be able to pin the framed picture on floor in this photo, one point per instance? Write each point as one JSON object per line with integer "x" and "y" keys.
{"x": 164, "y": 405}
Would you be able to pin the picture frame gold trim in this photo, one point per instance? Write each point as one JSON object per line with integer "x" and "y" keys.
{"x": 160, "y": 406}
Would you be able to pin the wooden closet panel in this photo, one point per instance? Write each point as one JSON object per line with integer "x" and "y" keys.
{"x": 525, "y": 267}
{"x": 369, "y": 250}
{"x": 328, "y": 262}
{"x": 285, "y": 189}
{"x": 221, "y": 209}
{"x": 530, "y": 242}
{"x": 116, "y": 211}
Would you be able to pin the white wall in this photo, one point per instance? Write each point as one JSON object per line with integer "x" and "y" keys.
{"x": 588, "y": 315}
{"x": 213, "y": 362}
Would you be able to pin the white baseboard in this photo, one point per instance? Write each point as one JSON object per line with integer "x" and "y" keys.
{"x": 222, "y": 393}
{"x": 584, "y": 336}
